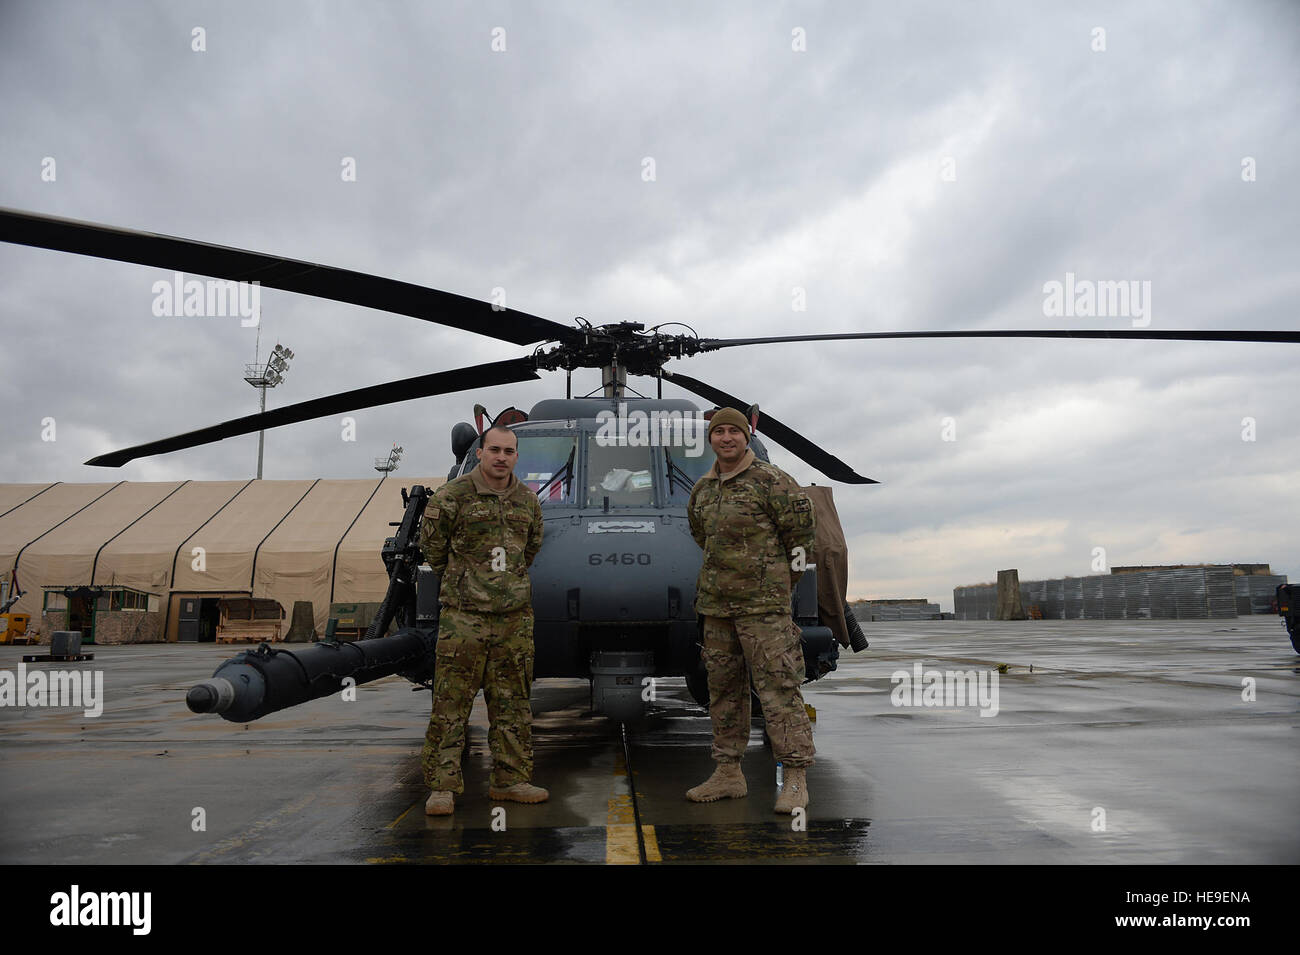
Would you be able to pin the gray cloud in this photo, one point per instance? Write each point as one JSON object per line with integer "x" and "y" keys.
{"x": 775, "y": 169}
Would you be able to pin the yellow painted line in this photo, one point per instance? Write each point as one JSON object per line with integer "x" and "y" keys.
{"x": 393, "y": 824}
{"x": 651, "y": 844}
{"x": 384, "y": 860}
{"x": 620, "y": 845}
{"x": 620, "y": 821}
{"x": 620, "y": 830}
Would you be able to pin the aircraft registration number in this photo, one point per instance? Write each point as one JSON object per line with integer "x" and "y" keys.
{"x": 626, "y": 559}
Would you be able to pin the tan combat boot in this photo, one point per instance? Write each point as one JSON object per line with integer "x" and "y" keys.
{"x": 794, "y": 794}
{"x": 727, "y": 782}
{"x": 440, "y": 804}
{"x": 520, "y": 792}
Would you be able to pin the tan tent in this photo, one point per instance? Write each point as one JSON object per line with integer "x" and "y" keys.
{"x": 15, "y": 495}
{"x": 27, "y": 526}
{"x": 284, "y": 540}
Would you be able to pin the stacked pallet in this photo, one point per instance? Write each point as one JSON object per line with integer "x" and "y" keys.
{"x": 249, "y": 620}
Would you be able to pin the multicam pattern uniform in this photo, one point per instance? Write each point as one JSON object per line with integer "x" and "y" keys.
{"x": 749, "y": 524}
{"x": 481, "y": 543}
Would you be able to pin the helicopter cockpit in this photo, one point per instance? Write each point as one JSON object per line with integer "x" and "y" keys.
{"x": 575, "y": 463}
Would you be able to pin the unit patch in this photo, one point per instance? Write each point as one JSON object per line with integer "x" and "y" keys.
{"x": 801, "y": 504}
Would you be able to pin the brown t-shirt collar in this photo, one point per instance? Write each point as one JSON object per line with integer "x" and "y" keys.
{"x": 483, "y": 487}
{"x": 745, "y": 462}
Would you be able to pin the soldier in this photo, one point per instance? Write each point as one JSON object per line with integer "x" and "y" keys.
{"x": 481, "y": 532}
{"x": 755, "y": 526}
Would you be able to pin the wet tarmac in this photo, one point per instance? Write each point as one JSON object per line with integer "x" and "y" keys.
{"x": 1112, "y": 742}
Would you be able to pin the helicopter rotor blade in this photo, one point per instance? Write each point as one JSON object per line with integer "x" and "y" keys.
{"x": 825, "y": 462}
{"x": 239, "y": 265}
{"x": 1182, "y": 335}
{"x": 421, "y": 386}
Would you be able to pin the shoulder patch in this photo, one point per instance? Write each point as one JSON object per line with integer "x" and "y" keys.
{"x": 801, "y": 504}
{"x": 432, "y": 514}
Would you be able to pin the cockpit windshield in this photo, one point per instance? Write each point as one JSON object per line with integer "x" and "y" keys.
{"x": 618, "y": 471}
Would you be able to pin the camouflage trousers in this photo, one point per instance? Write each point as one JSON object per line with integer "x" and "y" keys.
{"x": 495, "y": 652}
{"x": 765, "y": 646}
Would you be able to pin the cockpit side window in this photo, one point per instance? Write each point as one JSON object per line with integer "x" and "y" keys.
{"x": 548, "y": 466}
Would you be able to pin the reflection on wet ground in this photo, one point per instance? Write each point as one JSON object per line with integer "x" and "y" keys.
{"x": 1161, "y": 741}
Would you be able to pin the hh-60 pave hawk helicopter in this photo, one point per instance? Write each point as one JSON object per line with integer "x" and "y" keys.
{"x": 614, "y": 583}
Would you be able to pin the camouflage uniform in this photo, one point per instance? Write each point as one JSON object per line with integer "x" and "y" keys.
{"x": 481, "y": 543}
{"x": 748, "y": 524}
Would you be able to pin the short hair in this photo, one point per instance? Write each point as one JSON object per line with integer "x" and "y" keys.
{"x": 501, "y": 428}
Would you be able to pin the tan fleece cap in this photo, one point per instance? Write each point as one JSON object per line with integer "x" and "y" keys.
{"x": 729, "y": 416}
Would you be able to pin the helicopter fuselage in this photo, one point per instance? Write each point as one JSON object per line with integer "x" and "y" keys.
{"x": 613, "y": 585}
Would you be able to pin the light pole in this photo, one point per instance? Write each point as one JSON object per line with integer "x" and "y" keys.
{"x": 388, "y": 465}
{"x": 266, "y": 376}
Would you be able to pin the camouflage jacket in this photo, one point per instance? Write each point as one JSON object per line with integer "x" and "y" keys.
{"x": 749, "y": 524}
{"x": 481, "y": 543}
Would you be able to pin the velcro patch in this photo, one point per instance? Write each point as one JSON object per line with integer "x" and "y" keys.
{"x": 802, "y": 504}
{"x": 432, "y": 513}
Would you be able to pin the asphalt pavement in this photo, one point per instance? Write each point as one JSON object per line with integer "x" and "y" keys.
{"x": 1099, "y": 742}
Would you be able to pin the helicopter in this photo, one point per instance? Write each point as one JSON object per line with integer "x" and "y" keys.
{"x": 613, "y": 585}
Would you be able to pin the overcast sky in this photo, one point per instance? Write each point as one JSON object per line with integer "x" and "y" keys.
{"x": 909, "y": 166}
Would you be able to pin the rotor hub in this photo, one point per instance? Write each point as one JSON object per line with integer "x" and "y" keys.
{"x": 622, "y": 344}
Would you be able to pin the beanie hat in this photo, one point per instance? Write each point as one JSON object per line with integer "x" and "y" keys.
{"x": 729, "y": 416}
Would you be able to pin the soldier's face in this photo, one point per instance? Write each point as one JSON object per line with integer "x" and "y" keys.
{"x": 497, "y": 456}
{"x": 729, "y": 444}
